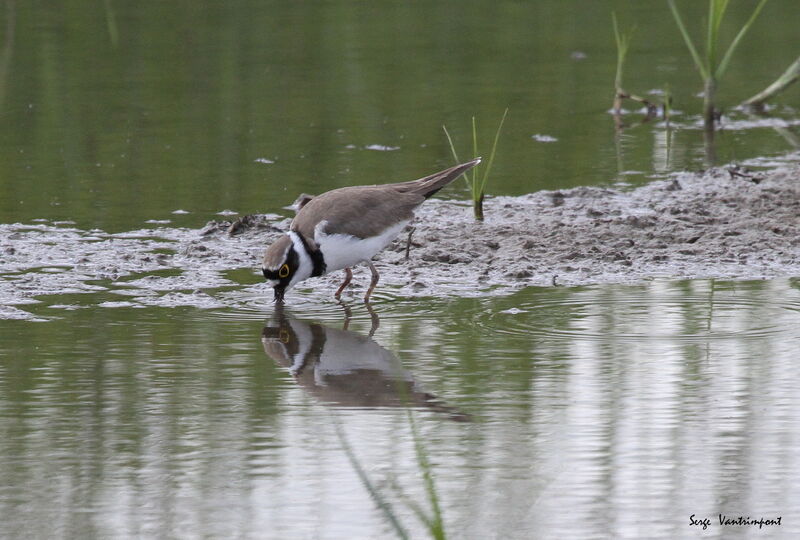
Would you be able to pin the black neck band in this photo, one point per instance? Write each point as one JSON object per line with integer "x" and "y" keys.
{"x": 316, "y": 257}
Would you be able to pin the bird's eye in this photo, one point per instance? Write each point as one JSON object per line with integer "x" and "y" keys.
{"x": 284, "y": 336}
{"x": 284, "y": 271}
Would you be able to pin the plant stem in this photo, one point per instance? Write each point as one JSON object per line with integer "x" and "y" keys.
{"x": 477, "y": 207}
{"x": 474, "y": 170}
{"x": 709, "y": 113}
{"x": 623, "y": 41}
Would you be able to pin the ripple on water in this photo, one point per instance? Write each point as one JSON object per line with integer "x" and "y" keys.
{"x": 255, "y": 302}
{"x": 683, "y": 311}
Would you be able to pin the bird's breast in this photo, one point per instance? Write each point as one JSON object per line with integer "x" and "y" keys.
{"x": 344, "y": 250}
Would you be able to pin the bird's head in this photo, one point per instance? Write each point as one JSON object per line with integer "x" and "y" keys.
{"x": 283, "y": 266}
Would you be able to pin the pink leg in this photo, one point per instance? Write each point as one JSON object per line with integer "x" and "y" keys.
{"x": 348, "y": 275}
{"x": 375, "y": 278}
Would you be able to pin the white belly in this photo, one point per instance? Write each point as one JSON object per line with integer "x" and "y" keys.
{"x": 343, "y": 251}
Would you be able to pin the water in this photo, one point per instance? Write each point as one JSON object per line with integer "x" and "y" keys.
{"x": 183, "y": 109}
{"x": 603, "y": 411}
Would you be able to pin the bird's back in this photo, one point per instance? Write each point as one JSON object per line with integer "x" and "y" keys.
{"x": 357, "y": 211}
{"x": 363, "y": 211}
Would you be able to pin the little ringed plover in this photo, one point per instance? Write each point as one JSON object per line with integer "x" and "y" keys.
{"x": 347, "y": 226}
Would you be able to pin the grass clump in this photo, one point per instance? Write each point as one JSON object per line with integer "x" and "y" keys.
{"x": 476, "y": 181}
{"x": 709, "y": 64}
{"x": 623, "y": 40}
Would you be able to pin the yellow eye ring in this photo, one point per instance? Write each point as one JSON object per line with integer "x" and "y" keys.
{"x": 284, "y": 271}
{"x": 284, "y": 336}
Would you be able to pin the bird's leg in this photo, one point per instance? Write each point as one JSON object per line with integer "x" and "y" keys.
{"x": 375, "y": 278}
{"x": 348, "y": 275}
{"x": 376, "y": 321}
{"x": 348, "y": 315}
{"x": 408, "y": 242}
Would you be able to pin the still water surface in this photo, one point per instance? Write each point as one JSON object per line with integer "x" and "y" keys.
{"x": 591, "y": 412}
{"x": 114, "y": 113}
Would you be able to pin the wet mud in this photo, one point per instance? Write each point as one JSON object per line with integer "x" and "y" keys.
{"x": 725, "y": 223}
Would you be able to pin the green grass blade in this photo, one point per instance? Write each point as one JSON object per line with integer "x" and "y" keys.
{"x": 788, "y": 77}
{"x": 616, "y": 29}
{"x": 729, "y": 53}
{"x": 494, "y": 149}
{"x": 710, "y": 35}
{"x": 413, "y": 505}
{"x": 475, "y": 193}
{"x": 706, "y": 73}
{"x": 382, "y": 503}
{"x": 111, "y": 23}
{"x": 455, "y": 156}
{"x": 435, "y": 523}
{"x": 452, "y": 146}
{"x": 716, "y": 12}
{"x": 622, "y": 51}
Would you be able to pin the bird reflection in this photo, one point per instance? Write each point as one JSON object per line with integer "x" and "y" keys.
{"x": 344, "y": 368}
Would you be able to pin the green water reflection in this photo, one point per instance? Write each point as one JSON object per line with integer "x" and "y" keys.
{"x": 613, "y": 411}
{"x": 606, "y": 411}
{"x": 117, "y": 112}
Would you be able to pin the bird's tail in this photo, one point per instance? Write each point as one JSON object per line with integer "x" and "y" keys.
{"x": 431, "y": 184}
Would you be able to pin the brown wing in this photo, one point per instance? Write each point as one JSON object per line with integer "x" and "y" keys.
{"x": 360, "y": 211}
{"x": 430, "y": 184}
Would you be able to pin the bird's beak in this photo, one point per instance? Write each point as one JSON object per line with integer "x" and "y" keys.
{"x": 279, "y": 292}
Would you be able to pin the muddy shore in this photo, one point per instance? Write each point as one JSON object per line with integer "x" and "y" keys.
{"x": 720, "y": 224}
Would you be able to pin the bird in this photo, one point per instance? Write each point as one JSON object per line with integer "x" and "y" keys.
{"x": 344, "y": 368}
{"x": 345, "y": 227}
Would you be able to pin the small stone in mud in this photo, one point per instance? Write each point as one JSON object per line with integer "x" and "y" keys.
{"x": 210, "y": 228}
{"x": 519, "y": 274}
{"x": 640, "y": 222}
{"x": 245, "y": 223}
